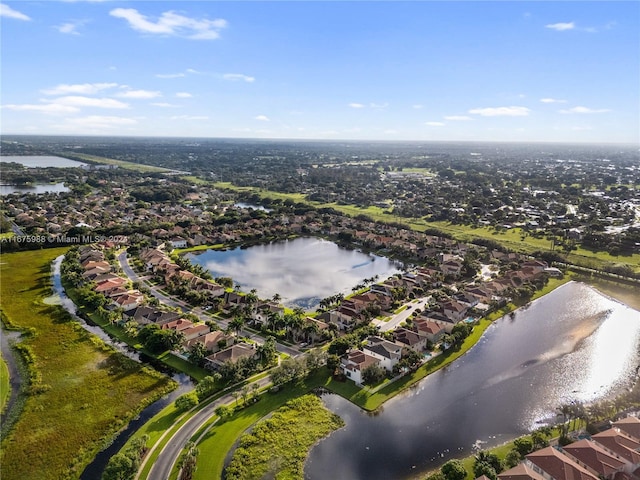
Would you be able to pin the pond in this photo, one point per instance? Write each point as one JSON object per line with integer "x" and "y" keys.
{"x": 41, "y": 161}
{"x": 302, "y": 271}
{"x": 574, "y": 344}
{"x": 35, "y": 188}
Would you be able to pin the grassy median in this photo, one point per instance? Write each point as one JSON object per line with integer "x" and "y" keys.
{"x": 81, "y": 391}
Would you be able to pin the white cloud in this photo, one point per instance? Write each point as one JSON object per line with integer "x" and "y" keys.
{"x": 356, "y": 105}
{"x": 49, "y": 108}
{"x": 501, "y": 111}
{"x": 417, "y": 106}
{"x": 139, "y": 94}
{"x": 560, "y": 27}
{"x": 189, "y": 117}
{"x": 172, "y": 24}
{"x": 457, "y": 118}
{"x": 80, "y": 88}
{"x": 262, "y": 118}
{"x": 78, "y": 101}
{"x": 183, "y": 95}
{"x": 7, "y": 11}
{"x": 585, "y": 110}
{"x": 170, "y": 75}
{"x": 238, "y": 77}
{"x": 552, "y": 100}
{"x": 434, "y": 124}
{"x": 70, "y": 28}
{"x": 379, "y": 105}
{"x": 164, "y": 105}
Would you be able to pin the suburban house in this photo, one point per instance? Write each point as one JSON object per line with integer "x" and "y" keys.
{"x": 629, "y": 425}
{"x": 178, "y": 325}
{"x": 178, "y": 243}
{"x": 410, "y": 339}
{"x": 454, "y": 311}
{"x": 212, "y": 341}
{"x": 130, "y": 300}
{"x": 264, "y": 310}
{"x": 621, "y": 443}
{"x": 550, "y": 462}
{"x": 613, "y": 454}
{"x": 343, "y": 321}
{"x": 387, "y": 352}
{"x": 145, "y": 315}
{"x": 433, "y": 330}
{"x": 597, "y": 459}
{"x": 354, "y": 362}
{"x": 196, "y": 330}
{"x": 230, "y": 354}
{"x": 522, "y": 471}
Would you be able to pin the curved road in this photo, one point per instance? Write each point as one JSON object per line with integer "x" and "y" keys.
{"x": 170, "y": 453}
{"x": 173, "y": 302}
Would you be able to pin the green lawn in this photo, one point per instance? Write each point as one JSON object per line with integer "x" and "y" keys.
{"x": 219, "y": 439}
{"x": 514, "y": 239}
{"x": 176, "y": 363}
{"x": 222, "y": 436}
{"x": 138, "y": 167}
{"x": 5, "y": 388}
{"x": 278, "y": 447}
{"x": 82, "y": 392}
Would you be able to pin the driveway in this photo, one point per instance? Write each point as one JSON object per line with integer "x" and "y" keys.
{"x": 398, "y": 318}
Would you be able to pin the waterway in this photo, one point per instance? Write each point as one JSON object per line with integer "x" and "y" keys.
{"x": 96, "y": 467}
{"x": 574, "y": 344}
{"x": 41, "y": 161}
{"x": 35, "y": 188}
{"x": 302, "y": 271}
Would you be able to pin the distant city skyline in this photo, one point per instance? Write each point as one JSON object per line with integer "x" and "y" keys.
{"x": 395, "y": 71}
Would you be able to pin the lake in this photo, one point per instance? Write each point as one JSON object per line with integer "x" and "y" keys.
{"x": 41, "y": 161}
{"x": 303, "y": 271}
{"x": 574, "y": 344}
{"x": 35, "y": 188}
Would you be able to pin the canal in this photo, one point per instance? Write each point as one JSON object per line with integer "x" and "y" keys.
{"x": 574, "y": 344}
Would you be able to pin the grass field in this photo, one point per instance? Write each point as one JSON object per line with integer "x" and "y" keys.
{"x": 277, "y": 447}
{"x": 5, "y": 388}
{"x": 512, "y": 239}
{"x": 219, "y": 439}
{"x": 81, "y": 391}
{"x": 222, "y": 436}
{"x": 138, "y": 167}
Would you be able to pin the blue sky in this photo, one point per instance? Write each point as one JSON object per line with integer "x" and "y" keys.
{"x": 421, "y": 70}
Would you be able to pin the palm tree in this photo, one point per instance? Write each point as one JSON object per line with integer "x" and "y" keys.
{"x": 293, "y": 323}
{"x": 276, "y": 297}
{"x": 245, "y": 393}
{"x": 237, "y": 324}
{"x": 311, "y": 329}
{"x": 254, "y": 390}
{"x": 565, "y": 411}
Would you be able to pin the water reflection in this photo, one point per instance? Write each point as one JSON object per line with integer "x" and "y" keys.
{"x": 36, "y": 188}
{"x": 302, "y": 271}
{"x": 574, "y": 344}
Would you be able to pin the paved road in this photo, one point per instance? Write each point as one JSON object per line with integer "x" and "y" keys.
{"x": 402, "y": 316}
{"x": 170, "y": 453}
{"x": 174, "y": 302}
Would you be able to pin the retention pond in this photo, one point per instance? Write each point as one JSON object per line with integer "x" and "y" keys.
{"x": 573, "y": 345}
